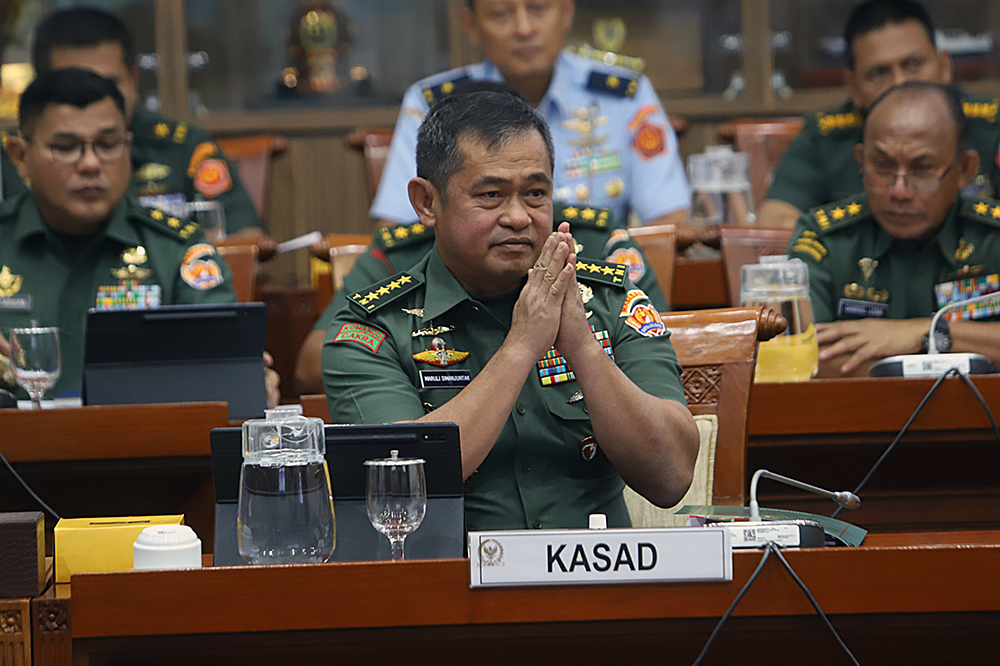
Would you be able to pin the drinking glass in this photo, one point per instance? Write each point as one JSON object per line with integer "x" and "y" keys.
{"x": 34, "y": 355}
{"x": 210, "y": 217}
{"x": 397, "y": 497}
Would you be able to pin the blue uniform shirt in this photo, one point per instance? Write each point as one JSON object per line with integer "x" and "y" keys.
{"x": 614, "y": 144}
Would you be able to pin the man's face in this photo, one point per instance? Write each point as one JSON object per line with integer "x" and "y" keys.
{"x": 892, "y": 54}
{"x": 75, "y": 198}
{"x": 498, "y": 213}
{"x": 522, "y": 37}
{"x": 918, "y": 138}
{"x": 106, "y": 59}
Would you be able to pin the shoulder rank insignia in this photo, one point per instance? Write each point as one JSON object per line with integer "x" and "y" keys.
{"x": 983, "y": 209}
{"x": 402, "y": 235}
{"x": 618, "y": 85}
{"x": 586, "y": 216}
{"x": 810, "y": 245}
{"x": 841, "y": 213}
{"x": 832, "y": 122}
{"x": 372, "y": 298}
{"x": 981, "y": 109}
{"x": 592, "y": 270}
{"x": 434, "y": 94}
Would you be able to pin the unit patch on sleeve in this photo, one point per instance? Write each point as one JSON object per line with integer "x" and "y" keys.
{"x": 198, "y": 271}
{"x": 213, "y": 177}
{"x": 366, "y": 336}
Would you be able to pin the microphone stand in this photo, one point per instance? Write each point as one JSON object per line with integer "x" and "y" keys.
{"x": 845, "y": 499}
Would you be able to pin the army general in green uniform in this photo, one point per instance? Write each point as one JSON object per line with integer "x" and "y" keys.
{"x": 73, "y": 242}
{"x": 596, "y": 232}
{"x": 883, "y": 261}
{"x": 888, "y": 42}
{"x": 173, "y": 161}
{"x": 562, "y": 387}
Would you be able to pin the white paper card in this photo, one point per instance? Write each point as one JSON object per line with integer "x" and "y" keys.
{"x": 750, "y": 536}
{"x": 558, "y": 557}
{"x": 934, "y": 365}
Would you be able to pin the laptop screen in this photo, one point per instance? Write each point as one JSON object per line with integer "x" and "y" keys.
{"x": 442, "y": 532}
{"x": 177, "y": 353}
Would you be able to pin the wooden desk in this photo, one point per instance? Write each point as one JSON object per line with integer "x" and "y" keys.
{"x": 114, "y": 460}
{"x": 901, "y": 599}
{"x": 943, "y": 474}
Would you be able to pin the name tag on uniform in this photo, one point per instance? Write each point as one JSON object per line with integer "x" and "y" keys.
{"x": 852, "y": 308}
{"x": 16, "y": 303}
{"x": 445, "y": 379}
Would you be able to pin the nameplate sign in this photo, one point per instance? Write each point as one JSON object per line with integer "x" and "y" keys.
{"x": 560, "y": 557}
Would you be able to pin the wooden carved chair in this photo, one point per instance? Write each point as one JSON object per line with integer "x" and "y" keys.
{"x": 658, "y": 243}
{"x": 242, "y": 261}
{"x": 252, "y": 155}
{"x": 765, "y": 141}
{"x": 718, "y": 351}
{"x": 333, "y": 258}
{"x": 745, "y": 245}
{"x": 373, "y": 143}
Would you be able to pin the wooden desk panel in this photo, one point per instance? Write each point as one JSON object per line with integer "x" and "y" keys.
{"x": 924, "y": 599}
{"x": 698, "y": 284}
{"x": 942, "y": 474}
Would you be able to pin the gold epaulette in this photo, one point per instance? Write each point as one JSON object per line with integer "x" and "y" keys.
{"x": 402, "y": 235}
{"x": 591, "y": 270}
{"x": 377, "y": 295}
{"x": 841, "y": 213}
{"x": 599, "y": 218}
{"x": 982, "y": 209}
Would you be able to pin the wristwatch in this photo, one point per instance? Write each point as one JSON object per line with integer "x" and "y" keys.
{"x": 942, "y": 337}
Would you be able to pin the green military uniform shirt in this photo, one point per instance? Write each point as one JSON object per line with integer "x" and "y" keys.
{"x": 819, "y": 165}
{"x": 174, "y": 162}
{"x": 10, "y": 181}
{"x": 596, "y": 231}
{"x": 856, "y": 269}
{"x": 409, "y": 344}
{"x": 42, "y": 280}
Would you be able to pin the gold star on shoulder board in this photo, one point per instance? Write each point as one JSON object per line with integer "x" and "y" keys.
{"x": 613, "y": 81}
{"x": 174, "y": 222}
{"x": 401, "y": 232}
{"x": 838, "y": 213}
{"x": 156, "y": 214}
{"x": 854, "y": 208}
{"x": 996, "y": 212}
{"x": 588, "y": 214}
{"x": 981, "y": 208}
{"x": 161, "y": 130}
{"x": 571, "y": 213}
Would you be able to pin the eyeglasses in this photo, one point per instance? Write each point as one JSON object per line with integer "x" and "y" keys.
{"x": 920, "y": 183}
{"x": 70, "y": 153}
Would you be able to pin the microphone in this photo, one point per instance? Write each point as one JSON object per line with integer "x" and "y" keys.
{"x": 934, "y": 363}
{"x": 846, "y": 499}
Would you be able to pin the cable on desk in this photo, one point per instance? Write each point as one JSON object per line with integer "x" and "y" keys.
{"x": 768, "y": 548}
{"x": 982, "y": 401}
{"x": 812, "y": 600}
{"x": 729, "y": 611}
{"x": 28, "y": 488}
{"x": 902, "y": 432}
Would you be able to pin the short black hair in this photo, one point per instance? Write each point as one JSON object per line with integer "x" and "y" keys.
{"x": 915, "y": 90}
{"x": 79, "y": 27}
{"x": 876, "y": 14}
{"x": 488, "y": 116}
{"x": 78, "y": 87}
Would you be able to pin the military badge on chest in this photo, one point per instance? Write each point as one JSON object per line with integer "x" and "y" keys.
{"x": 862, "y": 301}
{"x": 11, "y": 300}
{"x": 129, "y": 293}
{"x": 441, "y": 356}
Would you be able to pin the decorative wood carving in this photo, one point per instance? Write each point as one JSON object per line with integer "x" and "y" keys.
{"x": 10, "y": 621}
{"x": 702, "y": 384}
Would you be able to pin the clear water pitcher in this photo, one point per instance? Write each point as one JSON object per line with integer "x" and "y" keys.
{"x": 286, "y": 506}
{"x": 783, "y": 285}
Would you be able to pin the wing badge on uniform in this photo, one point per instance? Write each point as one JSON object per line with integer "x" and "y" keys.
{"x": 440, "y": 355}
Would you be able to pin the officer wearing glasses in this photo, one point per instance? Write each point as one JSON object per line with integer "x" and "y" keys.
{"x": 882, "y": 261}
{"x": 75, "y": 240}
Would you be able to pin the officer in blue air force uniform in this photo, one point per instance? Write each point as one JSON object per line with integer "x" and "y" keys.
{"x": 614, "y": 146}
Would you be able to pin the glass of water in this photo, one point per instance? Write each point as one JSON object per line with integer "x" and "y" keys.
{"x": 211, "y": 217}
{"x": 397, "y": 497}
{"x": 35, "y": 357}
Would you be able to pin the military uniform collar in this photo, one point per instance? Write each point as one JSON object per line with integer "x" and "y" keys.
{"x": 949, "y": 234}
{"x": 567, "y": 79}
{"x": 443, "y": 292}
{"x": 29, "y": 222}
